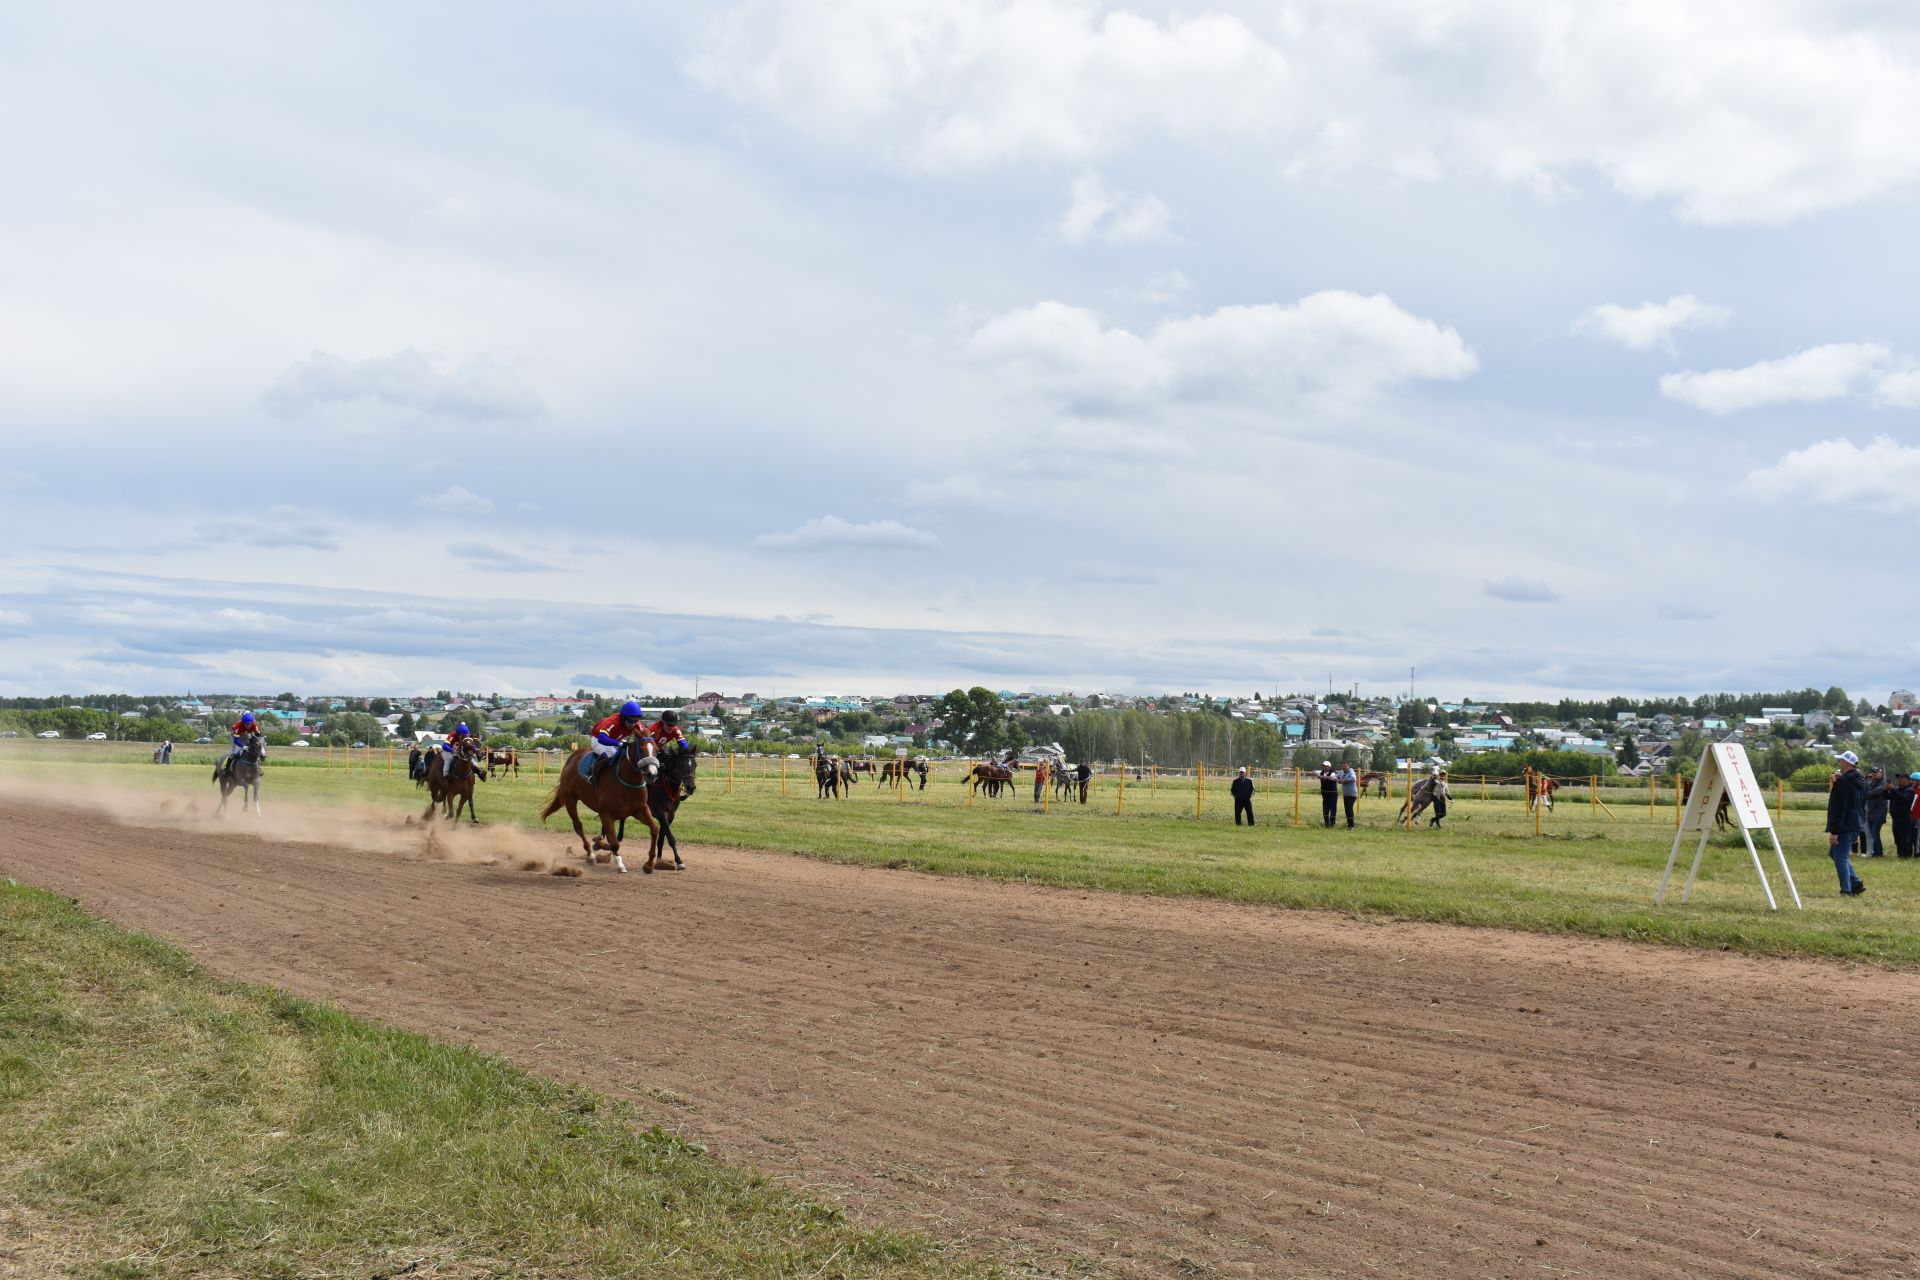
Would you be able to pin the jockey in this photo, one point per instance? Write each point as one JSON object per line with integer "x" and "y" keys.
{"x": 455, "y": 740}
{"x": 666, "y": 730}
{"x": 610, "y": 733}
{"x": 244, "y": 730}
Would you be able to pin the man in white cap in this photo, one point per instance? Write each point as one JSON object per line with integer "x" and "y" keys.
{"x": 1329, "y": 793}
{"x": 1846, "y": 820}
{"x": 1242, "y": 790}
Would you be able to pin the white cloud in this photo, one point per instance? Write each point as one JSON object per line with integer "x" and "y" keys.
{"x": 453, "y": 500}
{"x": 1161, "y": 288}
{"x": 1094, "y": 212}
{"x": 276, "y": 528}
{"x": 831, "y": 531}
{"x": 1521, "y": 591}
{"x": 1884, "y": 475}
{"x": 1755, "y": 112}
{"x": 1652, "y": 324}
{"x": 498, "y": 559}
{"x": 404, "y": 385}
{"x": 1900, "y": 388}
{"x": 1332, "y": 343}
{"x": 14, "y": 620}
{"x": 1820, "y": 373}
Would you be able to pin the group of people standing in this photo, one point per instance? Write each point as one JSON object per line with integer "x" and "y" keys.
{"x": 1858, "y": 806}
{"x": 1339, "y": 787}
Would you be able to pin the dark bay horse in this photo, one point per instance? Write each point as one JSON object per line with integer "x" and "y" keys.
{"x": 452, "y": 791}
{"x": 618, "y": 792}
{"x": 505, "y": 759}
{"x": 899, "y": 771}
{"x": 832, "y": 775}
{"x": 990, "y": 777}
{"x": 243, "y": 775}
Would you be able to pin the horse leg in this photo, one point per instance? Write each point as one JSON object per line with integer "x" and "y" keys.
{"x": 573, "y": 812}
{"x": 610, "y": 833}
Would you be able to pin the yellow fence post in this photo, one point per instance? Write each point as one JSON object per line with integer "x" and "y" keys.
{"x": 329, "y": 753}
{"x": 1780, "y": 810}
{"x": 1120, "y": 801}
{"x": 1199, "y": 787}
{"x": 783, "y": 776}
{"x": 1296, "y": 795}
{"x": 1650, "y": 795}
{"x": 1538, "y": 799}
{"x": 729, "y": 773}
{"x": 1593, "y": 791}
{"x": 1409, "y": 825}
{"x": 1153, "y": 780}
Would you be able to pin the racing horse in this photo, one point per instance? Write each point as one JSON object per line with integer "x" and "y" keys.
{"x": 898, "y": 771}
{"x": 617, "y": 792}
{"x": 450, "y": 786}
{"x": 242, "y": 774}
{"x": 674, "y": 783}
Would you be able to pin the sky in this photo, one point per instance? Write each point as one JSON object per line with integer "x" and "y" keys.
{"x": 1518, "y": 348}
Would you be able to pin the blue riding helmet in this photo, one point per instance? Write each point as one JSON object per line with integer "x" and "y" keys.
{"x": 462, "y": 728}
{"x": 630, "y": 710}
{"x": 246, "y": 717}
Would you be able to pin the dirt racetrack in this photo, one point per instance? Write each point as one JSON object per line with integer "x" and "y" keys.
{"x": 1105, "y": 1083}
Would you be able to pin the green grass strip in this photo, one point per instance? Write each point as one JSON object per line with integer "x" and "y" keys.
{"x": 157, "y": 1122}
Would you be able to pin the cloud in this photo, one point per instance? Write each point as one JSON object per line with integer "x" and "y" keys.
{"x": 831, "y": 531}
{"x": 1095, "y": 213}
{"x": 498, "y": 560}
{"x": 1685, "y": 613}
{"x": 1521, "y": 591}
{"x": 1652, "y": 324}
{"x": 453, "y": 500}
{"x": 403, "y": 386}
{"x": 1327, "y": 343}
{"x": 1820, "y": 373}
{"x": 1730, "y": 112}
{"x": 14, "y": 620}
{"x": 1884, "y": 475}
{"x": 278, "y": 527}
{"x": 1160, "y": 288}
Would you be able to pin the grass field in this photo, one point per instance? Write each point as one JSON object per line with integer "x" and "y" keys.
{"x": 1592, "y": 870}
{"x": 155, "y": 1122}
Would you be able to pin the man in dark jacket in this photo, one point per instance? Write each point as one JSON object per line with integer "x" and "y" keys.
{"x": 1900, "y": 809}
{"x": 1242, "y": 789}
{"x": 1879, "y": 799}
{"x": 1846, "y": 817}
{"x": 1329, "y": 793}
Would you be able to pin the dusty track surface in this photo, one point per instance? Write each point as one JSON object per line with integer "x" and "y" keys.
{"x": 1105, "y": 1083}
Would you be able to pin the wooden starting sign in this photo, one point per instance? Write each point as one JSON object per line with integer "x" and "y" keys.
{"x": 1724, "y": 770}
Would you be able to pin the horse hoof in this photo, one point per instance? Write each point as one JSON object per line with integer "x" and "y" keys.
{"x": 645, "y": 870}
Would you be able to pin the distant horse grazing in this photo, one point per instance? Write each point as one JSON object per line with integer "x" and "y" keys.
{"x": 505, "y": 759}
{"x": 242, "y": 774}
{"x": 618, "y": 792}
{"x": 450, "y": 787}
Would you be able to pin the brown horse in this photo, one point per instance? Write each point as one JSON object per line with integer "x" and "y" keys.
{"x": 1722, "y": 814}
{"x": 675, "y": 783}
{"x": 618, "y": 792}
{"x": 1376, "y": 777}
{"x": 898, "y": 771}
{"x": 991, "y": 777}
{"x": 505, "y": 759}
{"x": 1540, "y": 789}
{"x": 450, "y": 792}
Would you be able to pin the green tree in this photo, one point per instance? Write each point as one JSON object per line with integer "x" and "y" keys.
{"x": 405, "y": 727}
{"x": 1629, "y": 753}
{"x": 974, "y": 720}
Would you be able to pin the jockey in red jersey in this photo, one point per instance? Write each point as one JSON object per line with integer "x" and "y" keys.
{"x": 455, "y": 740}
{"x": 610, "y": 734}
{"x": 666, "y": 730}
{"x": 244, "y": 730}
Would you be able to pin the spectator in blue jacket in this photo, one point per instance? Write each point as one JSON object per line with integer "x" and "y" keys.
{"x": 1846, "y": 819}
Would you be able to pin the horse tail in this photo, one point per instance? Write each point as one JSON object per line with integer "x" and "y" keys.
{"x": 555, "y": 800}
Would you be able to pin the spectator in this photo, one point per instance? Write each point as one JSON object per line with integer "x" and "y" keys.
{"x": 1901, "y": 809}
{"x": 1039, "y": 778}
{"x": 1242, "y": 789}
{"x": 1879, "y": 799}
{"x": 1329, "y": 793}
{"x": 1441, "y": 794}
{"x": 1349, "y": 788}
{"x": 1846, "y": 816}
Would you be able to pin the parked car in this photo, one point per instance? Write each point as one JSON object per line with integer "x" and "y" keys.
{"x": 51, "y": 733}
{"x": 96, "y": 737}
{"x": 202, "y": 741}
{"x": 301, "y": 743}
{"x": 8, "y": 733}
{"x": 359, "y": 744}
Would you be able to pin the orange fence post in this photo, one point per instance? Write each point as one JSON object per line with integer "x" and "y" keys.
{"x": 1120, "y": 801}
{"x": 1780, "y": 810}
{"x": 1199, "y": 787}
{"x": 1593, "y": 791}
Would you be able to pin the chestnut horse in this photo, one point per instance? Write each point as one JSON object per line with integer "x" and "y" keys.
{"x": 899, "y": 771}
{"x": 992, "y": 777}
{"x": 664, "y": 794}
{"x": 451, "y": 791}
{"x": 618, "y": 792}
{"x": 504, "y": 759}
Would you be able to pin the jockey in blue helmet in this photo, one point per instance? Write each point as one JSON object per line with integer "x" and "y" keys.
{"x": 611, "y": 732}
{"x": 452, "y": 745}
{"x": 244, "y": 730}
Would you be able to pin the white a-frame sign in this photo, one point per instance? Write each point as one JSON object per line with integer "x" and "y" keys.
{"x": 1724, "y": 771}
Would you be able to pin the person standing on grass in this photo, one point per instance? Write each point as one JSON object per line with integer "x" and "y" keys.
{"x": 1846, "y": 817}
{"x": 1242, "y": 790}
{"x": 1349, "y": 788}
{"x": 1329, "y": 793}
{"x": 1441, "y": 794}
{"x": 1901, "y": 810}
{"x": 1879, "y": 799}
